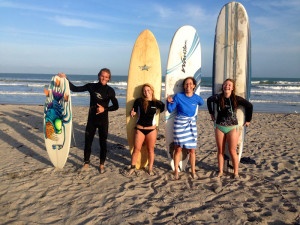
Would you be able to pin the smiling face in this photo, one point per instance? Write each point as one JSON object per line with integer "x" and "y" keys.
{"x": 228, "y": 87}
{"x": 189, "y": 86}
{"x": 104, "y": 77}
{"x": 148, "y": 92}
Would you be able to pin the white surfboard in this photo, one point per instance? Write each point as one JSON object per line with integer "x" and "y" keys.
{"x": 58, "y": 121}
{"x": 232, "y": 57}
{"x": 184, "y": 61}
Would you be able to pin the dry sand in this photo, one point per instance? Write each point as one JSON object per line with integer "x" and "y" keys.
{"x": 33, "y": 192}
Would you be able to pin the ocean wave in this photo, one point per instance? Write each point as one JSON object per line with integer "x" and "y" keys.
{"x": 275, "y": 102}
{"x": 275, "y": 92}
{"x": 272, "y": 82}
{"x": 279, "y": 87}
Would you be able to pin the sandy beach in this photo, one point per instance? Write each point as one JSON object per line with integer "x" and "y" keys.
{"x": 32, "y": 191}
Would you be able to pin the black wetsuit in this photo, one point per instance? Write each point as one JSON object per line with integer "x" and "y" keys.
{"x": 102, "y": 95}
{"x": 227, "y": 116}
{"x": 146, "y": 118}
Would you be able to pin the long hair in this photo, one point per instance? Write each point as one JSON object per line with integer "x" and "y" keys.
{"x": 145, "y": 101}
{"x": 232, "y": 96}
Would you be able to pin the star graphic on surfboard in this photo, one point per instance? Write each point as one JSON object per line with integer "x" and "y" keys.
{"x": 144, "y": 67}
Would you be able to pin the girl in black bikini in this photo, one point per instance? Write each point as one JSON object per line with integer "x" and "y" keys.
{"x": 145, "y": 130}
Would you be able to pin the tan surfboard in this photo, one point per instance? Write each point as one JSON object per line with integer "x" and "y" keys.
{"x": 144, "y": 67}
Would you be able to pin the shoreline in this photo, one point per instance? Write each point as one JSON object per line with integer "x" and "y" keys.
{"x": 32, "y": 191}
{"x": 123, "y": 107}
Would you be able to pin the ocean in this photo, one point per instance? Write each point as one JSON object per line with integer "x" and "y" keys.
{"x": 272, "y": 95}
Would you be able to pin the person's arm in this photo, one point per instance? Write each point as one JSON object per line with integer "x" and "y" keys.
{"x": 248, "y": 108}
{"x": 171, "y": 104}
{"x": 114, "y": 101}
{"x": 77, "y": 88}
{"x": 200, "y": 101}
{"x": 134, "y": 108}
{"x": 160, "y": 105}
{"x": 210, "y": 102}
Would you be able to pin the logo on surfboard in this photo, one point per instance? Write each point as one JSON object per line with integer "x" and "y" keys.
{"x": 145, "y": 67}
{"x": 183, "y": 59}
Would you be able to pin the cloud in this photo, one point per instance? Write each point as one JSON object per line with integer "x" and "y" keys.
{"x": 163, "y": 12}
{"x": 64, "y": 21}
{"x": 195, "y": 12}
{"x": 180, "y": 11}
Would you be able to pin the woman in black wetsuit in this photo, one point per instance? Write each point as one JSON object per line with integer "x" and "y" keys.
{"x": 226, "y": 123}
{"x": 100, "y": 96}
{"x": 145, "y": 130}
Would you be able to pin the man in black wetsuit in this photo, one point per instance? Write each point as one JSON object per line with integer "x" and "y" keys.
{"x": 100, "y": 96}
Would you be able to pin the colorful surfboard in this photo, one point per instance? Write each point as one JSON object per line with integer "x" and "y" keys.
{"x": 58, "y": 121}
{"x": 184, "y": 61}
{"x": 232, "y": 58}
{"x": 145, "y": 67}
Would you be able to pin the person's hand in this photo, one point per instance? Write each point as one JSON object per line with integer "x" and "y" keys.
{"x": 132, "y": 113}
{"x": 212, "y": 117}
{"x": 247, "y": 124}
{"x": 100, "y": 109}
{"x": 169, "y": 99}
{"x": 62, "y": 75}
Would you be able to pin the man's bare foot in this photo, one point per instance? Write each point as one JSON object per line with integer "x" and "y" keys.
{"x": 101, "y": 167}
{"x": 85, "y": 167}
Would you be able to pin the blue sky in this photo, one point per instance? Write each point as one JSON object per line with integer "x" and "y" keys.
{"x": 82, "y": 36}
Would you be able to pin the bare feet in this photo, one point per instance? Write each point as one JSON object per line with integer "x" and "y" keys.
{"x": 102, "y": 170}
{"x": 220, "y": 174}
{"x": 85, "y": 167}
{"x": 193, "y": 175}
{"x": 151, "y": 173}
{"x": 176, "y": 176}
{"x": 236, "y": 176}
{"x": 128, "y": 171}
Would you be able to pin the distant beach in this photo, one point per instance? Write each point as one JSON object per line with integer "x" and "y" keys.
{"x": 33, "y": 192}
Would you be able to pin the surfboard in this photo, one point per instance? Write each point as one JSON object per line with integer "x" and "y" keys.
{"x": 144, "y": 67}
{"x": 184, "y": 60}
{"x": 232, "y": 59}
{"x": 58, "y": 121}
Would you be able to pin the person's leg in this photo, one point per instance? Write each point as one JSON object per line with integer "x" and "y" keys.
{"x": 89, "y": 137}
{"x": 177, "y": 155}
{"x": 138, "y": 142}
{"x": 220, "y": 141}
{"x": 103, "y": 133}
{"x": 150, "y": 140}
{"x": 193, "y": 162}
{"x": 232, "y": 140}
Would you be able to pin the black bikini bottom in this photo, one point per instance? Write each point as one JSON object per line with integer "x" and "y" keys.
{"x": 144, "y": 131}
